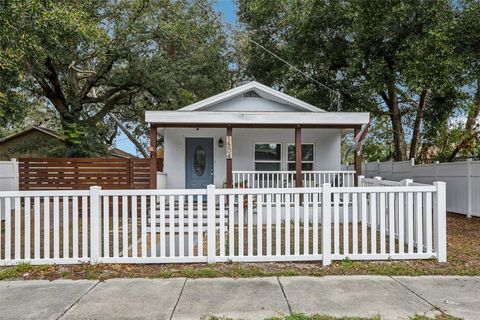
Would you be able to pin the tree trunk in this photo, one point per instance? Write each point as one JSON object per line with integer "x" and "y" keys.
{"x": 469, "y": 125}
{"x": 396, "y": 119}
{"x": 418, "y": 122}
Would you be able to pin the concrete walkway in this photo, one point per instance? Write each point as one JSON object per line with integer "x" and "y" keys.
{"x": 253, "y": 298}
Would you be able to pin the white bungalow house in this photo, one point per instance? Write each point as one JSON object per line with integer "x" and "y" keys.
{"x": 251, "y": 136}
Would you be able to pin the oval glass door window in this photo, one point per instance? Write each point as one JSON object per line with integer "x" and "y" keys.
{"x": 199, "y": 159}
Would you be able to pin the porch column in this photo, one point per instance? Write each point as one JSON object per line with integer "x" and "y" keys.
{"x": 357, "y": 159}
{"x": 153, "y": 156}
{"x": 298, "y": 157}
{"x": 229, "y": 151}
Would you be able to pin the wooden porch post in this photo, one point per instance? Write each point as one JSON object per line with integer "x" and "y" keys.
{"x": 357, "y": 160}
{"x": 298, "y": 157}
{"x": 229, "y": 151}
{"x": 153, "y": 156}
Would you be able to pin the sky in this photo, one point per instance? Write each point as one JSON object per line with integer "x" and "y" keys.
{"x": 228, "y": 9}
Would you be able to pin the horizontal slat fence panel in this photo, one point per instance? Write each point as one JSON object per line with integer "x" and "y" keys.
{"x": 220, "y": 225}
{"x": 82, "y": 173}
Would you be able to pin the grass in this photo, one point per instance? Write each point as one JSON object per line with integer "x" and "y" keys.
{"x": 301, "y": 316}
{"x": 463, "y": 238}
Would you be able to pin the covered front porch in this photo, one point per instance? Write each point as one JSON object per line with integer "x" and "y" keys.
{"x": 252, "y": 150}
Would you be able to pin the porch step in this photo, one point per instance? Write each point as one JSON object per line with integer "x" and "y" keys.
{"x": 176, "y": 220}
{"x": 177, "y": 229}
{"x": 176, "y": 206}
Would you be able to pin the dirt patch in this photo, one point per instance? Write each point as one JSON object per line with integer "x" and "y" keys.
{"x": 463, "y": 237}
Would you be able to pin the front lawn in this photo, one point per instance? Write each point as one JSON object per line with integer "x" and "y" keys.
{"x": 463, "y": 236}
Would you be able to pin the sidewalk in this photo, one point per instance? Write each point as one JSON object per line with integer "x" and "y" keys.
{"x": 252, "y": 298}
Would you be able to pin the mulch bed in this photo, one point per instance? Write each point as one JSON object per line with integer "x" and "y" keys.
{"x": 463, "y": 237}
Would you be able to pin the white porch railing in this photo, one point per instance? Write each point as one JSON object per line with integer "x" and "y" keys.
{"x": 378, "y": 182}
{"x": 286, "y": 179}
{"x": 219, "y": 225}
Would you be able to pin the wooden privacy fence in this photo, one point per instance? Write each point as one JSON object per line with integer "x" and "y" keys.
{"x": 221, "y": 225}
{"x": 82, "y": 173}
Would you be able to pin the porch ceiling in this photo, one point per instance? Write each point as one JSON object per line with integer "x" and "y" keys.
{"x": 257, "y": 119}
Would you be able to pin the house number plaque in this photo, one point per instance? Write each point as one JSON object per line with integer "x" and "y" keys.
{"x": 229, "y": 147}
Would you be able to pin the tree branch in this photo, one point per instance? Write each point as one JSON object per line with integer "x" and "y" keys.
{"x": 107, "y": 107}
{"x": 129, "y": 135}
{"x": 103, "y": 69}
{"x": 469, "y": 125}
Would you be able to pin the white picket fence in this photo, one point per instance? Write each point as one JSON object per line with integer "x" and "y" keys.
{"x": 286, "y": 179}
{"x": 221, "y": 225}
{"x": 462, "y": 178}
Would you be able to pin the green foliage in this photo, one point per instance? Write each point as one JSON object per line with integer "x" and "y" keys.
{"x": 411, "y": 63}
{"x": 86, "y": 59}
{"x": 301, "y": 316}
{"x": 15, "y": 271}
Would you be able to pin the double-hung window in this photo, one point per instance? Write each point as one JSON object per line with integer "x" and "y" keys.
{"x": 308, "y": 152}
{"x": 268, "y": 156}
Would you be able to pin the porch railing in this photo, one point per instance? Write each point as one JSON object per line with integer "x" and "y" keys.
{"x": 286, "y": 179}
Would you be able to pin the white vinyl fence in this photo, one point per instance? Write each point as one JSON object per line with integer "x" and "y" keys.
{"x": 462, "y": 178}
{"x": 9, "y": 175}
{"x": 220, "y": 225}
{"x": 9, "y": 180}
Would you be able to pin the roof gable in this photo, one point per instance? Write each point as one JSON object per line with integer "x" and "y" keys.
{"x": 31, "y": 129}
{"x": 272, "y": 99}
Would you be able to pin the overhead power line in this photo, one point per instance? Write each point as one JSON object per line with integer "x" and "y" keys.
{"x": 335, "y": 93}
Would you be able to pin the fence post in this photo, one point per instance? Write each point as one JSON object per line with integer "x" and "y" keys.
{"x": 391, "y": 169}
{"x": 469, "y": 188}
{"x": 407, "y": 182}
{"x": 326, "y": 224}
{"x": 211, "y": 249}
{"x": 440, "y": 220}
{"x": 359, "y": 180}
{"x": 95, "y": 217}
{"x": 377, "y": 178}
{"x": 436, "y": 170}
{"x": 15, "y": 174}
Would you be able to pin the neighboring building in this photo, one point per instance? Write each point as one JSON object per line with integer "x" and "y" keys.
{"x": 38, "y": 142}
{"x": 251, "y": 128}
{"x": 32, "y": 142}
{"x": 118, "y": 153}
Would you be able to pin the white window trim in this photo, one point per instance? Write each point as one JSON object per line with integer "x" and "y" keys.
{"x": 283, "y": 154}
{"x": 293, "y": 144}
{"x": 268, "y": 161}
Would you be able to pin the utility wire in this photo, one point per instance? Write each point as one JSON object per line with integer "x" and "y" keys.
{"x": 336, "y": 93}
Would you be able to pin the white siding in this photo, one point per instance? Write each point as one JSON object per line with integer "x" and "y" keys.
{"x": 251, "y": 104}
{"x": 174, "y": 156}
{"x": 327, "y": 149}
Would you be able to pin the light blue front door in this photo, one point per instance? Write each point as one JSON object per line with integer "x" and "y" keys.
{"x": 199, "y": 163}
